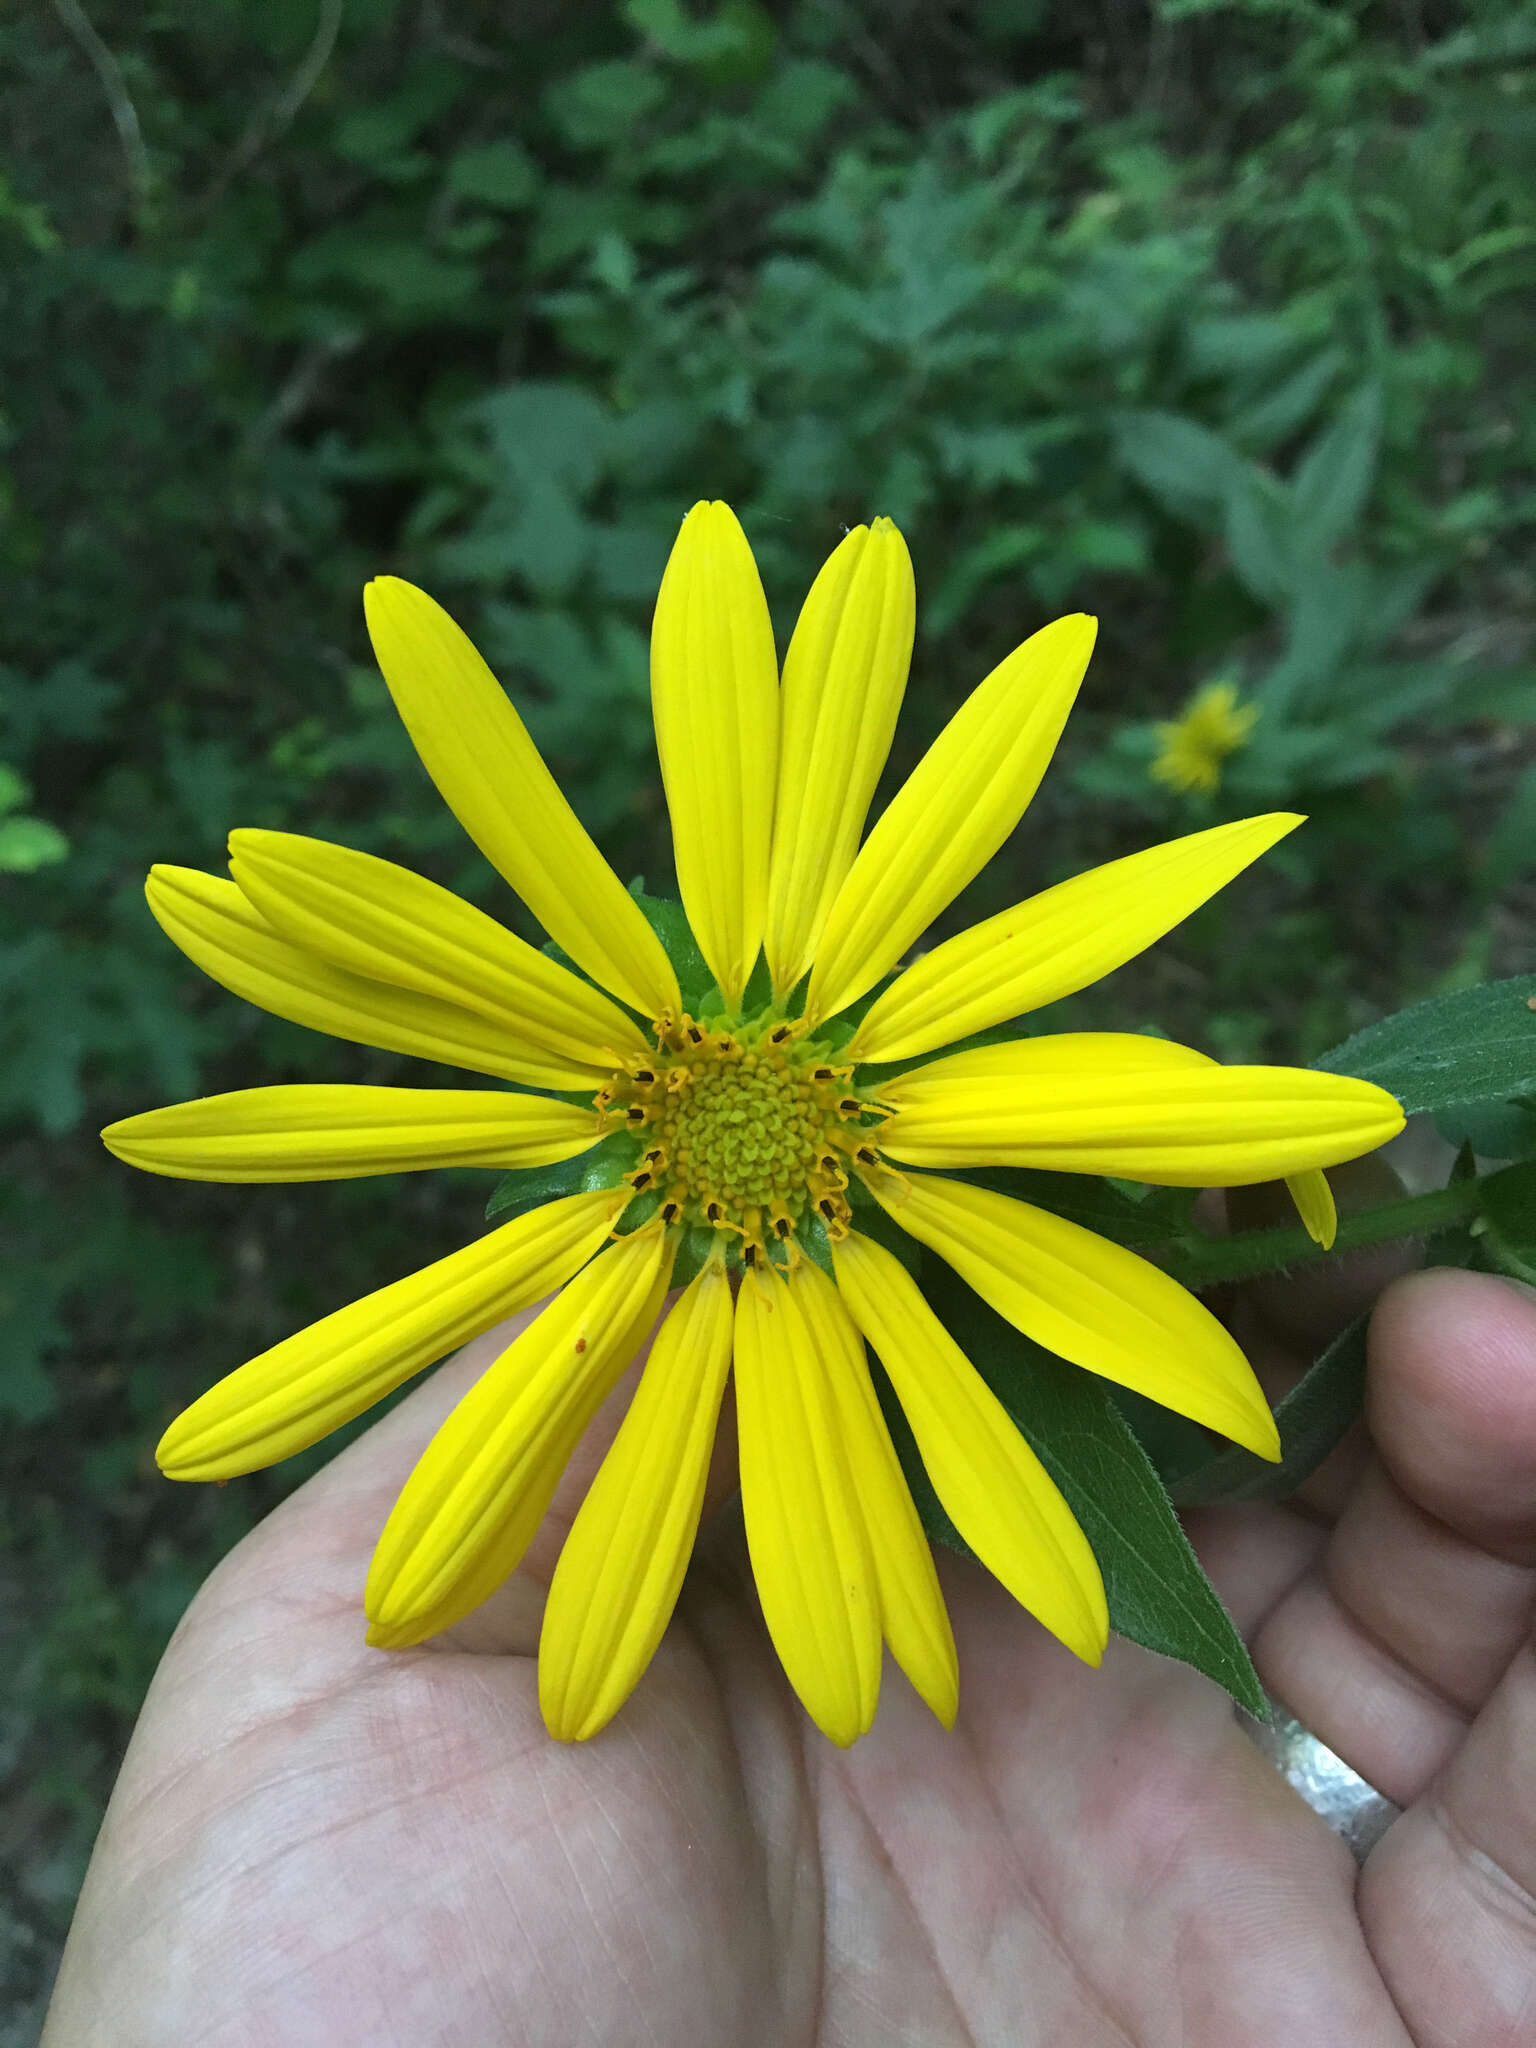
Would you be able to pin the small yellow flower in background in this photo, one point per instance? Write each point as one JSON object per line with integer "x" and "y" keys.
{"x": 1212, "y": 726}
{"x": 759, "y": 1131}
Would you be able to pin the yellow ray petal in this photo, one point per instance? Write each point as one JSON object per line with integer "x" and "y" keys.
{"x": 479, "y": 1490}
{"x": 993, "y": 1487}
{"x": 1057, "y": 942}
{"x": 844, "y": 677}
{"x": 952, "y": 814}
{"x": 477, "y": 750}
{"x": 715, "y": 697}
{"x": 806, "y": 1536}
{"x": 622, "y": 1566}
{"x": 912, "y": 1609}
{"x": 1072, "y": 1105}
{"x": 1090, "y": 1301}
{"x": 338, "y": 1133}
{"x": 381, "y": 921}
{"x": 223, "y": 934}
{"x": 1314, "y": 1205}
{"x": 302, "y": 1389}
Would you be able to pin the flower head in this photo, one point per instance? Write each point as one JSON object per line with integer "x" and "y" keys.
{"x": 752, "y": 1111}
{"x": 1194, "y": 746}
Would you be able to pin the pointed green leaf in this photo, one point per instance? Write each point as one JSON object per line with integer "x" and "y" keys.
{"x": 667, "y": 921}
{"x": 528, "y": 1187}
{"x": 1334, "y": 477}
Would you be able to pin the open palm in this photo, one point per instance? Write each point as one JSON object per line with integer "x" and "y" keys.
{"x": 316, "y": 1842}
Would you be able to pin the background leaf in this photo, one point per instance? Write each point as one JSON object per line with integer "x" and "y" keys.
{"x": 1334, "y": 477}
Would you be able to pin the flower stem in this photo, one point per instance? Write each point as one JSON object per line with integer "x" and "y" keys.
{"x": 1267, "y": 1251}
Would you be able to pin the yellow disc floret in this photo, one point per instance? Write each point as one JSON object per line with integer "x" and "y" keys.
{"x": 745, "y": 1128}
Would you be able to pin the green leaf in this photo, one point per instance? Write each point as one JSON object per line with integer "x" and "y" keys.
{"x": 1492, "y": 1130}
{"x": 1290, "y": 404}
{"x": 1509, "y": 1219}
{"x": 500, "y": 174}
{"x": 1474, "y": 1045}
{"x": 693, "y": 1253}
{"x": 1158, "y": 1595}
{"x": 529, "y": 1187}
{"x": 1311, "y": 1419}
{"x": 1183, "y": 464}
{"x": 1334, "y": 477}
{"x": 1260, "y": 534}
{"x": 1511, "y": 847}
{"x": 29, "y": 843}
{"x": 1501, "y": 696}
{"x": 670, "y": 924}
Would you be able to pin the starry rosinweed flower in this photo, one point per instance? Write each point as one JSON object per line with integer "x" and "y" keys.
{"x": 751, "y": 1143}
{"x": 1195, "y": 745}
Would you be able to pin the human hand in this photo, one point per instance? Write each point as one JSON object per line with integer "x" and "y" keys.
{"x": 312, "y": 1841}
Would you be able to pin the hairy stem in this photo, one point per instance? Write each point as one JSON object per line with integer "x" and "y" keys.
{"x": 1268, "y": 1251}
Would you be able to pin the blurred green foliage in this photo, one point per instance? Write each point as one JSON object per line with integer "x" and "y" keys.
{"x": 1210, "y": 316}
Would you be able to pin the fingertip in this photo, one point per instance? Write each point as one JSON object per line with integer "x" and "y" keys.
{"x": 1451, "y": 1401}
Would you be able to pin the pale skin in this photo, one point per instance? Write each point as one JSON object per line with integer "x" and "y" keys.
{"x": 312, "y": 1841}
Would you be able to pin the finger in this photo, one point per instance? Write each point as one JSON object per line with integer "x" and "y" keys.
{"x": 1389, "y": 1645}
{"x": 1283, "y": 1321}
{"x": 1448, "y": 1898}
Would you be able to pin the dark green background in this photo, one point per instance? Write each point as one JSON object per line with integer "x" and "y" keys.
{"x": 1212, "y": 319}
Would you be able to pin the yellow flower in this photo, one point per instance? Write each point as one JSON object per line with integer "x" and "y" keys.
{"x": 1212, "y": 726}
{"x": 759, "y": 1131}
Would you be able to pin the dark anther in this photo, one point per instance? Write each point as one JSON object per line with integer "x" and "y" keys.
{"x": 641, "y": 1180}
{"x": 695, "y": 1034}
{"x": 778, "y": 1035}
{"x": 644, "y": 1077}
{"x": 867, "y": 1156}
{"x": 822, "y": 1074}
{"x": 782, "y": 1225}
{"x": 635, "y": 1114}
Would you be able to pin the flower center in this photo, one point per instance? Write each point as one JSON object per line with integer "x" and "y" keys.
{"x": 746, "y": 1129}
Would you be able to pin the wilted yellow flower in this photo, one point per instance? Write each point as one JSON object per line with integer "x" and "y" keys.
{"x": 1212, "y": 726}
{"x": 760, "y": 1129}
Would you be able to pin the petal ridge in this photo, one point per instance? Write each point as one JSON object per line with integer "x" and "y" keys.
{"x": 844, "y": 678}
{"x": 715, "y": 699}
